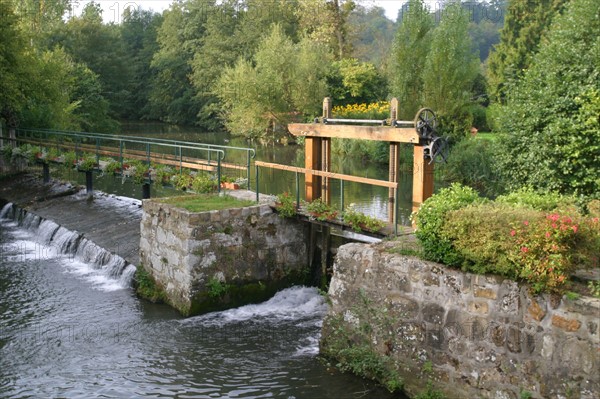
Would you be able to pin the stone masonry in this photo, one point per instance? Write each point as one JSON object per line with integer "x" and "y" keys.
{"x": 472, "y": 336}
{"x": 220, "y": 259}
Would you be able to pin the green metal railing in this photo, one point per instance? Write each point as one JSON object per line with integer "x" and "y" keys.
{"x": 212, "y": 154}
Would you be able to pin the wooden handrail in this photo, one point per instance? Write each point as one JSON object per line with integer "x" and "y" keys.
{"x": 332, "y": 175}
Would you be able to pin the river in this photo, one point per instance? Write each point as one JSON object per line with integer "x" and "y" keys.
{"x": 70, "y": 326}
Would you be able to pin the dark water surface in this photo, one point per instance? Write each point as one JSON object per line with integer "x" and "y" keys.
{"x": 71, "y": 328}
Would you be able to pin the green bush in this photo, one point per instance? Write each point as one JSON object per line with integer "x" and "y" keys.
{"x": 358, "y": 220}
{"x": 183, "y": 181}
{"x": 203, "y": 184}
{"x": 87, "y": 163}
{"x": 286, "y": 205}
{"x": 320, "y": 210}
{"x": 527, "y": 197}
{"x": 481, "y": 235}
{"x": 163, "y": 174}
{"x": 542, "y": 248}
{"x": 430, "y": 220}
{"x": 112, "y": 167}
{"x": 69, "y": 159}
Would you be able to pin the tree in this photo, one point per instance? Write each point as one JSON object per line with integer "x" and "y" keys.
{"x": 371, "y": 34}
{"x": 410, "y": 51}
{"x": 262, "y": 96}
{"x": 326, "y": 22}
{"x": 450, "y": 71}
{"x": 551, "y": 127}
{"x": 138, "y": 32}
{"x": 172, "y": 97}
{"x": 524, "y": 27}
{"x": 233, "y": 29}
{"x": 15, "y": 64}
{"x": 354, "y": 82}
{"x": 101, "y": 48}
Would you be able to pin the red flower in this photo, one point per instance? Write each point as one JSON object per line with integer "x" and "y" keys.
{"x": 547, "y": 234}
{"x": 574, "y": 227}
{"x": 554, "y": 225}
{"x": 526, "y": 223}
{"x": 524, "y": 250}
{"x": 554, "y": 217}
{"x": 512, "y": 233}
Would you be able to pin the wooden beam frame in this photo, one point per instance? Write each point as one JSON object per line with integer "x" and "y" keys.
{"x": 376, "y": 133}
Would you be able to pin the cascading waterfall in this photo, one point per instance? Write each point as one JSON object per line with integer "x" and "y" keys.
{"x": 71, "y": 243}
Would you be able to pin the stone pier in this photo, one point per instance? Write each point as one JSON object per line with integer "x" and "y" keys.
{"x": 221, "y": 259}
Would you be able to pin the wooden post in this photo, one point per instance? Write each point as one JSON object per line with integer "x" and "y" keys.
{"x": 422, "y": 178}
{"x": 12, "y": 134}
{"x": 312, "y": 160}
{"x": 394, "y": 147}
{"x": 326, "y": 154}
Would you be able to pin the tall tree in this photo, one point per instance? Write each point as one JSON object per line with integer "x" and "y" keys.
{"x": 262, "y": 96}
{"x": 15, "y": 64}
{"x": 524, "y": 27}
{"x": 101, "y": 48}
{"x": 233, "y": 29}
{"x": 551, "y": 121}
{"x": 410, "y": 51}
{"x": 450, "y": 71}
{"x": 326, "y": 22}
{"x": 172, "y": 98}
{"x": 139, "y": 32}
{"x": 371, "y": 34}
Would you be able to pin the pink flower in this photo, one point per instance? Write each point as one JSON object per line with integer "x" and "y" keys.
{"x": 547, "y": 234}
{"x": 524, "y": 250}
{"x": 512, "y": 233}
{"x": 595, "y": 220}
{"x": 574, "y": 227}
{"x": 567, "y": 220}
{"x": 526, "y": 223}
{"x": 554, "y": 225}
{"x": 554, "y": 217}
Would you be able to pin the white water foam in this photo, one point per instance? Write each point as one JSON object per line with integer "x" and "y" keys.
{"x": 38, "y": 239}
{"x": 290, "y": 304}
{"x": 304, "y": 307}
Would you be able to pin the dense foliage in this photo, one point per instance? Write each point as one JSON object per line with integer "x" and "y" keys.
{"x": 75, "y": 71}
{"x": 550, "y": 123}
{"x": 523, "y": 30}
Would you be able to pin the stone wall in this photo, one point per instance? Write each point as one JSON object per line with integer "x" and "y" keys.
{"x": 220, "y": 259}
{"x": 470, "y": 336}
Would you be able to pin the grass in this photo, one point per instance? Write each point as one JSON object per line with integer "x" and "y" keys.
{"x": 487, "y": 136}
{"x": 206, "y": 202}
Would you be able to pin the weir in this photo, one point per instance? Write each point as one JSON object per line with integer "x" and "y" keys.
{"x": 56, "y": 239}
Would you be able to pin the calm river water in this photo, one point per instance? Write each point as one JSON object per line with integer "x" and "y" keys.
{"x": 72, "y": 328}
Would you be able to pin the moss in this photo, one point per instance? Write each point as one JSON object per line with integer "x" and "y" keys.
{"x": 206, "y": 202}
{"x": 146, "y": 287}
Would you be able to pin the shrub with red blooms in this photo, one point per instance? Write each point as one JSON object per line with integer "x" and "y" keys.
{"x": 543, "y": 250}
